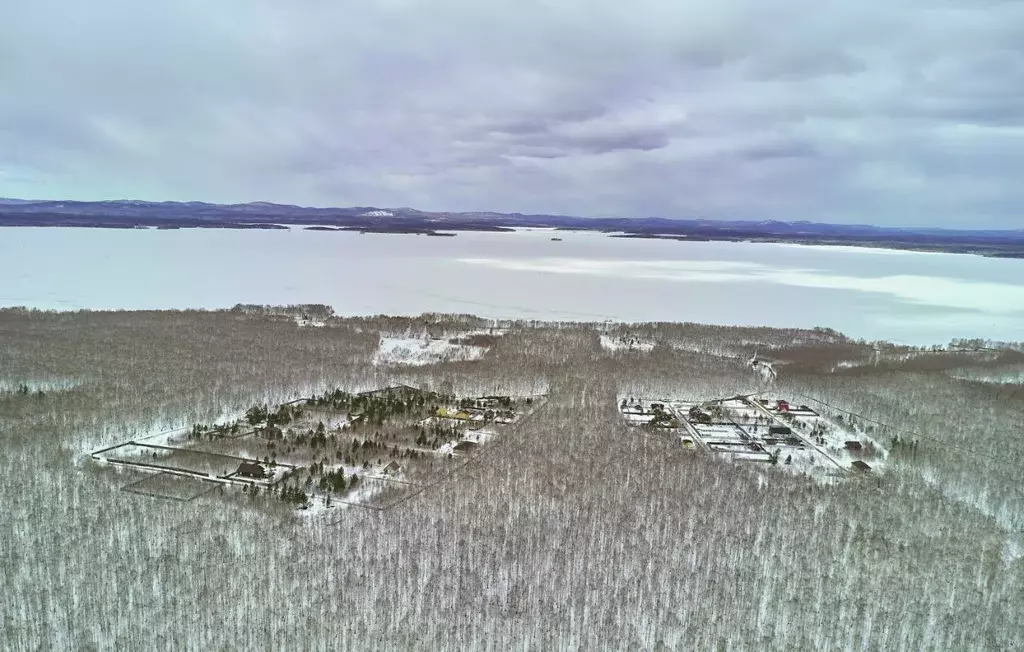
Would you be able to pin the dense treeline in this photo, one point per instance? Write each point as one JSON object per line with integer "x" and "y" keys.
{"x": 571, "y": 532}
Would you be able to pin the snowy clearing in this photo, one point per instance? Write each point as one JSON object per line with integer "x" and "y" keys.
{"x": 625, "y": 343}
{"x": 423, "y": 351}
{"x": 38, "y": 385}
{"x": 1000, "y": 376}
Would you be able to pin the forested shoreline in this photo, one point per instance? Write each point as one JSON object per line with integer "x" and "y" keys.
{"x": 572, "y": 532}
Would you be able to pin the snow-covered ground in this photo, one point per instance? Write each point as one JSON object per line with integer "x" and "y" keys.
{"x": 481, "y": 436}
{"x": 423, "y": 351}
{"x": 830, "y": 434}
{"x": 639, "y": 419}
{"x": 365, "y": 490}
{"x": 835, "y": 435}
{"x": 999, "y": 376}
{"x": 882, "y": 357}
{"x": 158, "y": 434}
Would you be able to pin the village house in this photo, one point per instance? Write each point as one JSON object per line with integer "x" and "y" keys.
{"x": 251, "y": 470}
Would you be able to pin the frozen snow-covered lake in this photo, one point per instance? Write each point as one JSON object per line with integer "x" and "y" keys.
{"x": 874, "y": 294}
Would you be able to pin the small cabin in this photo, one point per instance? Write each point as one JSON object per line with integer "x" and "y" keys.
{"x": 782, "y": 406}
{"x": 779, "y": 431}
{"x": 251, "y": 470}
{"x": 392, "y": 468}
{"x": 853, "y": 445}
{"x": 861, "y": 465}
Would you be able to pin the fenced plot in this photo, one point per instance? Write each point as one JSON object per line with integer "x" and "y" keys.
{"x": 187, "y": 462}
{"x": 170, "y": 486}
{"x": 319, "y": 453}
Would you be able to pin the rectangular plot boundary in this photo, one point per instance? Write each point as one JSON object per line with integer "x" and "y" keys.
{"x": 182, "y": 470}
{"x": 136, "y": 487}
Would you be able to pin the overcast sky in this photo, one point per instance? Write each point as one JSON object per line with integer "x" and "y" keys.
{"x": 880, "y": 111}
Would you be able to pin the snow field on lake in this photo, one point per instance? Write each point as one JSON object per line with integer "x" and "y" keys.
{"x": 870, "y": 294}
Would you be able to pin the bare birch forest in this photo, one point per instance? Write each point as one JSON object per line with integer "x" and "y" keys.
{"x": 570, "y": 532}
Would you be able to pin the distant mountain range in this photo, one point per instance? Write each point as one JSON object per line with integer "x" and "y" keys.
{"x": 262, "y": 215}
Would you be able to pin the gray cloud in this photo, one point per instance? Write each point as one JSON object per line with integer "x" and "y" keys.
{"x": 906, "y": 111}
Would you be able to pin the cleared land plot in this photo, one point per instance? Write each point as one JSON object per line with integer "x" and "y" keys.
{"x": 625, "y": 343}
{"x": 423, "y": 350}
{"x": 638, "y": 418}
{"x": 188, "y": 462}
{"x": 337, "y": 449}
{"x": 839, "y": 442}
{"x": 720, "y": 432}
{"x": 793, "y": 439}
{"x": 751, "y": 456}
{"x": 170, "y": 486}
{"x": 842, "y": 442}
{"x": 657, "y": 413}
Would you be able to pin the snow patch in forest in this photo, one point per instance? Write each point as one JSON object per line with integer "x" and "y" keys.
{"x": 32, "y": 386}
{"x": 710, "y": 349}
{"x": 1012, "y": 551}
{"x": 625, "y": 343}
{"x": 423, "y": 351}
{"x": 1013, "y": 376}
